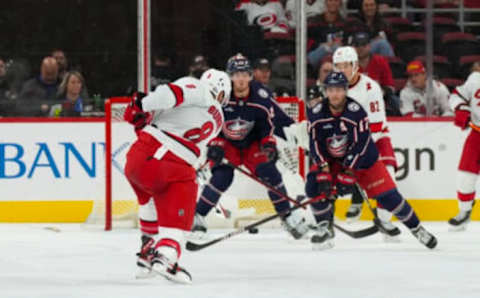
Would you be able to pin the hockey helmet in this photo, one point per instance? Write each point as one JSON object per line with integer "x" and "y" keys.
{"x": 217, "y": 81}
{"x": 238, "y": 63}
{"x": 336, "y": 79}
{"x": 345, "y": 54}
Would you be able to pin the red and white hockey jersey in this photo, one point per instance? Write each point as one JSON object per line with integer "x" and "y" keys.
{"x": 268, "y": 16}
{"x": 469, "y": 94}
{"x": 413, "y": 101}
{"x": 368, "y": 93}
{"x": 185, "y": 118}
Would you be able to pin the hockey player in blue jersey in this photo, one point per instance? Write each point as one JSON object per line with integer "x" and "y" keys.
{"x": 246, "y": 139}
{"x": 344, "y": 153}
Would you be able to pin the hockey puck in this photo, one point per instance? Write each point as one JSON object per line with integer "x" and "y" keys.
{"x": 253, "y": 231}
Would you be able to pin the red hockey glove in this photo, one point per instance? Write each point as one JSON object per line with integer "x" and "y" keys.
{"x": 134, "y": 114}
{"x": 462, "y": 116}
{"x": 345, "y": 183}
{"x": 269, "y": 148}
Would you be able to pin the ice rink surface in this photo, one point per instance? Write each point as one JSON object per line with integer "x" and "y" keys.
{"x": 73, "y": 262}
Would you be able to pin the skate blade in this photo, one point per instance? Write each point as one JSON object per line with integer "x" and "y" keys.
{"x": 391, "y": 239}
{"x": 179, "y": 278}
{"x": 460, "y": 228}
{"x": 323, "y": 246}
{"x": 144, "y": 273}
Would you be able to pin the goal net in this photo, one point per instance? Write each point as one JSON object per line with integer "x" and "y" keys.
{"x": 120, "y": 207}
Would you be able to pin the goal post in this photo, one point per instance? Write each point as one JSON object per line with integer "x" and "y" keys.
{"x": 120, "y": 205}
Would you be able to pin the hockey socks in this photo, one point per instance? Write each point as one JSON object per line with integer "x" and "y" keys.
{"x": 222, "y": 177}
{"x": 394, "y": 202}
{"x": 322, "y": 210}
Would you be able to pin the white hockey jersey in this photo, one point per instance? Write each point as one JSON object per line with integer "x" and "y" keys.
{"x": 413, "y": 101}
{"x": 268, "y": 16}
{"x": 368, "y": 93}
{"x": 469, "y": 94}
{"x": 185, "y": 118}
{"x": 312, "y": 9}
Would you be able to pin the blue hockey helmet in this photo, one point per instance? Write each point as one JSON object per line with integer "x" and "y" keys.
{"x": 238, "y": 63}
{"x": 336, "y": 79}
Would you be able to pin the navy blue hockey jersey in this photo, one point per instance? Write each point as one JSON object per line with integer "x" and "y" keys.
{"x": 249, "y": 119}
{"x": 345, "y": 137}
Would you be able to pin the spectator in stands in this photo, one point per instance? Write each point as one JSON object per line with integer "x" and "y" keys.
{"x": 334, "y": 41}
{"x": 317, "y": 91}
{"x": 413, "y": 98}
{"x": 377, "y": 27}
{"x": 198, "y": 67}
{"x": 45, "y": 85}
{"x": 162, "y": 70}
{"x": 330, "y": 21}
{"x": 62, "y": 62}
{"x": 4, "y": 85}
{"x": 476, "y": 66}
{"x": 72, "y": 94}
{"x": 262, "y": 71}
{"x": 268, "y": 14}
{"x": 313, "y": 8}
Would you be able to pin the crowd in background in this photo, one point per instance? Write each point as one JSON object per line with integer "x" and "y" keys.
{"x": 390, "y": 50}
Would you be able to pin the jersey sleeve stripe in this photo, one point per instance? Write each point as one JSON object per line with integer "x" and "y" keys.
{"x": 376, "y": 127}
{"x": 178, "y": 92}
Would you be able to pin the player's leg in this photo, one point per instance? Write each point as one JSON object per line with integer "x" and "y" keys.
{"x": 468, "y": 173}
{"x": 378, "y": 184}
{"x": 258, "y": 164}
{"x": 355, "y": 209}
{"x": 176, "y": 209}
{"x": 222, "y": 178}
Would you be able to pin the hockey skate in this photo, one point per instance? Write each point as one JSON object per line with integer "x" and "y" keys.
{"x": 171, "y": 271}
{"x": 460, "y": 221}
{"x": 388, "y": 230}
{"x": 294, "y": 223}
{"x": 145, "y": 256}
{"x": 323, "y": 236}
{"x": 425, "y": 237}
{"x": 354, "y": 212}
{"x": 199, "y": 229}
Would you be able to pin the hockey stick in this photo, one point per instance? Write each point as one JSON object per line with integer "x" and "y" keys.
{"x": 268, "y": 186}
{"x": 197, "y": 246}
{"x": 376, "y": 220}
{"x": 354, "y": 234}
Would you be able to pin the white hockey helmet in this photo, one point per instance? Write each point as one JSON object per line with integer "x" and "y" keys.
{"x": 217, "y": 81}
{"x": 346, "y": 54}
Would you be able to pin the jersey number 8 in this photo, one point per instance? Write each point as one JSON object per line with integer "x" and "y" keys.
{"x": 199, "y": 134}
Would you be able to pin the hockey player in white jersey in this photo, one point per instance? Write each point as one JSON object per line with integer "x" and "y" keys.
{"x": 369, "y": 94}
{"x": 465, "y": 101}
{"x": 174, "y": 123}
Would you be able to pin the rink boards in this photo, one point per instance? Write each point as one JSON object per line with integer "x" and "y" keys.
{"x": 52, "y": 170}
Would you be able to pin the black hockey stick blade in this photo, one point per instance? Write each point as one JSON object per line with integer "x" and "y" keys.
{"x": 359, "y": 233}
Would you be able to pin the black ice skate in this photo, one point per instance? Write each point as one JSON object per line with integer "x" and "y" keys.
{"x": 323, "y": 236}
{"x": 424, "y": 237}
{"x": 172, "y": 272}
{"x": 145, "y": 256}
{"x": 460, "y": 221}
{"x": 354, "y": 212}
{"x": 385, "y": 227}
{"x": 199, "y": 224}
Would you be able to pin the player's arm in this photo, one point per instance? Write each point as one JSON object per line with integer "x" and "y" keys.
{"x": 163, "y": 98}
{"x": 317, "y": 148}
{"x": 361, "y": 139}
{"x": 377, "y": 114}
{"x": 460, "y": 102}
{"x": 406, "y": 103}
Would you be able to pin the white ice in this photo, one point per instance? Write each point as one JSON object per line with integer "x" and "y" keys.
{"x": 38, "y": 262}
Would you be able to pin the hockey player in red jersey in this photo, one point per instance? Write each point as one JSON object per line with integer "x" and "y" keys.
{"x": 465, "y": 101}
{"x": 246, "y": 139}
{"x": 174, "y": 124}
{"x": 343, "y": 151}
{"x": 369, "y": 94}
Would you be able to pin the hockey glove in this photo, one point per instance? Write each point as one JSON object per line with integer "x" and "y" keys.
{"x": 269, "y": 148}
{"x": 318, "y": 184}
{"x": 134, "y": 114}
{"x": 345, "y": 183}
{"x": 462, "y": 116}
{"x": 216, "y": 152}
